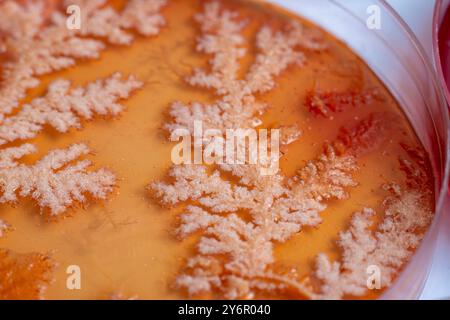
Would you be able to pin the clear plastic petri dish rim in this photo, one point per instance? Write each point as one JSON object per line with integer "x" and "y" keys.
{"x": 396, "y": 56}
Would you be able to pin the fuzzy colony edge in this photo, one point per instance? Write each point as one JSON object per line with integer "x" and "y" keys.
{"x": 236, "y": 216}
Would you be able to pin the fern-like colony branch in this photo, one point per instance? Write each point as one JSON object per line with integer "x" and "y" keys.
{"x": 34, "y": 41}
{"x": 240, "y": 223}
{"x": 37, "y": 44}
{"x": 52, "y": 181}
{"x": 221, "y": 38}
{"x": 63, "y": 108}
{"x": 240, "y": 219}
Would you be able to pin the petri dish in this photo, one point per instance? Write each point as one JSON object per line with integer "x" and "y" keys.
{"x": 393, "y": 52}
{"x": 410, "y": 78}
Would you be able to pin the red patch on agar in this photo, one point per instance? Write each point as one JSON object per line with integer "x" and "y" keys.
{"x": 24, "y": 276}
{"x": 328, "y": 102}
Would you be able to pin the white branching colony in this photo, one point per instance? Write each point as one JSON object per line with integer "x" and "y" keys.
{"x": 240, "y": 220}
{"x": 235, "y": 255}
{"x": 278, "y": 210}
{"x": 406, "y": 216}
{"x": 238, "y": 213}
{"x": 100, "y": 21}
{"x": 36, "y": 47}
{"x": 387, "y": 248}
{"x": 37, "y": 42}
{"x": 53, "y": 181}
{"x": 221, "y": 38}
{"x": 63, "y": 107}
